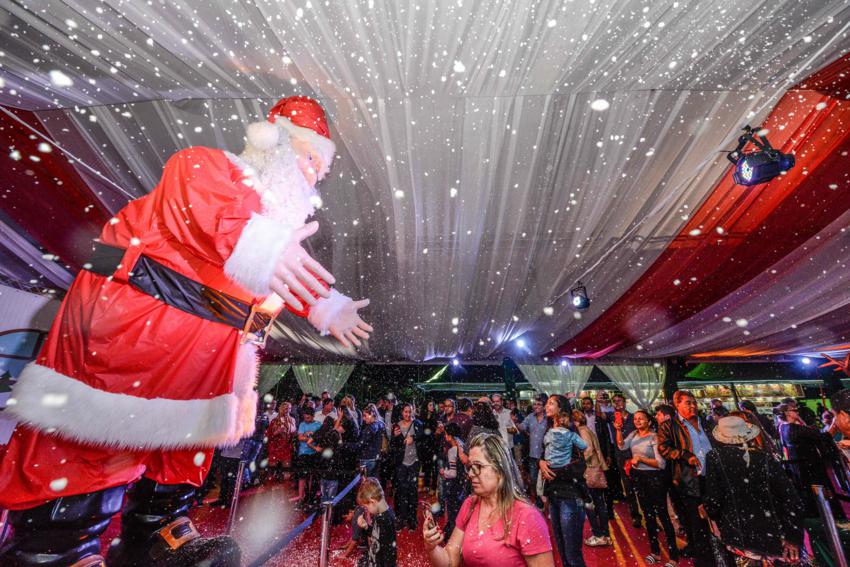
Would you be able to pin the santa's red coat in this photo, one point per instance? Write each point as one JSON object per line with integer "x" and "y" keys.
{"x": 121, "y": 370}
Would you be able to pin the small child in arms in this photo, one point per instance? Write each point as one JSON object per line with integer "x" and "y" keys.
{"x": 559, "y": 442}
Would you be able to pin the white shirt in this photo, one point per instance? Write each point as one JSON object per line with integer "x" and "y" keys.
{"x": 505, "y": 421}
{"x": 591, "y": 421}
{"x": 388, "y": 416}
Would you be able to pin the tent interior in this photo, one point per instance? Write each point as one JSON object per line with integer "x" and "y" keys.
{"x": 534, "y": 195}
{"x": 491, "y": 156}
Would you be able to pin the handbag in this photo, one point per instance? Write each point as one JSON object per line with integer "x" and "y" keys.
{"x": 595, "y": 477}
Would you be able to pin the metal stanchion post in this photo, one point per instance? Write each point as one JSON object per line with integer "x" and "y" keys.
{"x": 4, "y": 519}
{"x": 234, "y": 502}
{"x": 829, "y": 522}
{"x": 327, "y": 515}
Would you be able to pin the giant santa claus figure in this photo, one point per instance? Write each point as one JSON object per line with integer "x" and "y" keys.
{"x": 152, "y": 359}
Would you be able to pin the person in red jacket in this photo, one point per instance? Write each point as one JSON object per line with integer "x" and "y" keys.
{"x": 152, "y": 359}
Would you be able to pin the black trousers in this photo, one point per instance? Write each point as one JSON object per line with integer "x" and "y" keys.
{"x": 429, "y": 469}
{"x": 652, "y": 494}
{"x": 699, "y": 541}
{"x": 453, "y": 500}
{"x": 621, "y": 457}
{"x": 407, "y": 494}
{"x": 229, "y": 470}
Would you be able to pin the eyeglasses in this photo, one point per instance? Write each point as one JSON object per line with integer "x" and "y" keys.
{"x": 475, "y": 468}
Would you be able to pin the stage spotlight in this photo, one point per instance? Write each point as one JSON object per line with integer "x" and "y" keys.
{"x": 455, "y": 362}
{"x": 806, "y": 360}
{"x": 563, "y": 363}
{"x": 760, "y": 166}
{"x": 578, "y": 297}
{"x": 520, "y": 343}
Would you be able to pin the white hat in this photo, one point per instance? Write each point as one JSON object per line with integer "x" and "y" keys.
{"x": 732, "y": 430}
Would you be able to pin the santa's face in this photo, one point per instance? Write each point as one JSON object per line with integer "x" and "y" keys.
{"x": 308, "y": 160}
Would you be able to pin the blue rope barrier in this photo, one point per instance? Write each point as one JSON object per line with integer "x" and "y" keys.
{"x": 299, "y": 529}
{"x": 346, "y": 490}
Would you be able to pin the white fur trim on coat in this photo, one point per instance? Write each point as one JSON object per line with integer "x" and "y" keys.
{"x": 244, "y": 384}
{"x": 323, "y": 313}
{"x": 49, "y": 401}
{"x": 262, "y": 136}
{"x": 253, "y": 260}
{"x": 323, "y": 146}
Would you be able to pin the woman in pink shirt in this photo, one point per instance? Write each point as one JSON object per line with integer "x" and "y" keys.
{"x": 496, "y": 525}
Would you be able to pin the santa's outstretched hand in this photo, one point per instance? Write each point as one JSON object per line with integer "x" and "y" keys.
{"x": 296, "y": 273}
{"x": 337, "y": 315}
{"x": 298, "y": 280}
{"x": 348, "y": 327}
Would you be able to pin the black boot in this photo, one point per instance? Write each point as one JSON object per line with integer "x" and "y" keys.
{"x": 155, "y": 531}
{"x": 62, "y": 532}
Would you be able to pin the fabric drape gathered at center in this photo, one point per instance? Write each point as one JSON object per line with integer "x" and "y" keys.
{"x": 320, "y": 378}
{"x": 556, "y": 379}
{"x": 642, "y": 383}
{"x": 270, "y": 375}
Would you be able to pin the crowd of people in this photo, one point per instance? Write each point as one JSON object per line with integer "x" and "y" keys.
{"x": 730, "y": 483}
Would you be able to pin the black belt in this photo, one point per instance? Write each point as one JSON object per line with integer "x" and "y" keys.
{"x": 184, "y": 293}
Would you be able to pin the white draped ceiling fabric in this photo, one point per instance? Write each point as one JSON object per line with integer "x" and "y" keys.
{"x": 270, "y": 376}
{"x": 490, "y": 153}
{"x": 559, "y": 379}
{"x": 642, "y": 383}
{"x": 315, "y": 379}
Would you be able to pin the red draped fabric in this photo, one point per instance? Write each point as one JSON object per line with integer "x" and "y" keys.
{"x": 742, "y": 230}
{"x": 46, "y": 198}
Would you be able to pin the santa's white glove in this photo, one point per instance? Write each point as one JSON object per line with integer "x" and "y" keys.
{"x": 337, "y": 315}
{"x": 292, "y": 279}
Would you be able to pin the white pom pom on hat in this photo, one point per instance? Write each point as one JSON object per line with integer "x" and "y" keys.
{"x": 263, "y": 135}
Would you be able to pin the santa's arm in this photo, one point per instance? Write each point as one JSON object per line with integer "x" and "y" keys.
{"x": 336, "y": 315}
{"x": 221, "y": 219}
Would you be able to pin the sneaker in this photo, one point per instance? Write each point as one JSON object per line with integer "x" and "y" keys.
{"x": 593, "y": 541}
{"x": 606, "y": 541}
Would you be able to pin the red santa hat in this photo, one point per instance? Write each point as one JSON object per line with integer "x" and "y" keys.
{"x": 302, "y": 118}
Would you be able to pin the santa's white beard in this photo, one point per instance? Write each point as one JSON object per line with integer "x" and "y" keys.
{"x": 280, "y": 182}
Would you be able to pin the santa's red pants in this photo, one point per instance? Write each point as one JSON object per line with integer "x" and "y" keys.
{"x": 37, "y": 467}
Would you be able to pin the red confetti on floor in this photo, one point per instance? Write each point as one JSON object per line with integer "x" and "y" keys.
{"x": 265, "y": 515}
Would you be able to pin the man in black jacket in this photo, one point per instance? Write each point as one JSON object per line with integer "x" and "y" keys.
{"x": 684, "y": 444}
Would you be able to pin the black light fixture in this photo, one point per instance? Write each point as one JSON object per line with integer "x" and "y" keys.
{"x": 760, "y": 166}
{"x": 578, "y": 297}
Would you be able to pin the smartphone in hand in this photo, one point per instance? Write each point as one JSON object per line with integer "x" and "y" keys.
{"x": 427, "y": 516}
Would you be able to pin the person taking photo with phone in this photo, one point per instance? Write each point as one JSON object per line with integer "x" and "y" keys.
{"x": 496, "y": 524}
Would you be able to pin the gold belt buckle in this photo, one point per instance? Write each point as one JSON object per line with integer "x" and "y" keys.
{"x": 248, "y": 336}
{"x": 176, "y": 542}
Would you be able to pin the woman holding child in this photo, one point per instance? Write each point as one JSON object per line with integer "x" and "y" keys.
{"x": 565, "y": 486}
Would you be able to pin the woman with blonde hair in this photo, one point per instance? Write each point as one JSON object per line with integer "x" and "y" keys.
{"x": 496, "y": 524}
